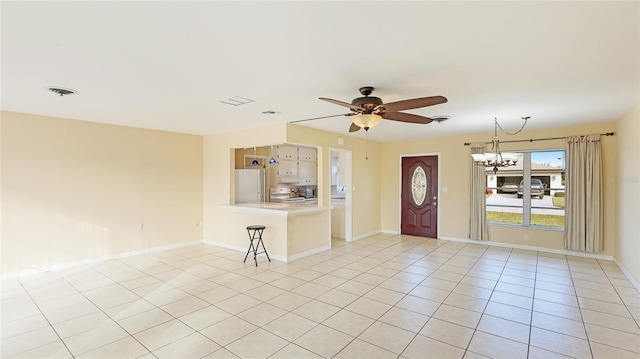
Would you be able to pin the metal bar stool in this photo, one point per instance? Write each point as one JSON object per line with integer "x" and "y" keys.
{"x": 255, "y": 232}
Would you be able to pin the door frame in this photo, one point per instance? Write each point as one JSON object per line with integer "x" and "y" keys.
{"x": 436, "y": 154}
{"x": 348, "y": 193}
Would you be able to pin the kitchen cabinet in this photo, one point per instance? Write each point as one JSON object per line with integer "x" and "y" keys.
{"x": 286, "y": 172}
{"x": 296, "y": 165}
{"x": 285, "y": 152}
{"x": 307, "y": 166}
{"x": 307, "y": 154}
{"x": 287, "y": 168}
{"x": 307, "y": 173}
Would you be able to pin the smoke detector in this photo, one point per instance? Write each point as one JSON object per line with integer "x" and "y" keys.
{"x": 62, "y": 91}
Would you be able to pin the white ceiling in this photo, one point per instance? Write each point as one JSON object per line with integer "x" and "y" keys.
{"x": 167, "y": 65}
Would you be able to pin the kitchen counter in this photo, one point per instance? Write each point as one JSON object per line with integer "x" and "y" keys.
{"x": 277, "y": 209}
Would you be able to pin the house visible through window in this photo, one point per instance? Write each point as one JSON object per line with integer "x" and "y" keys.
{"x": 529, "y": 194}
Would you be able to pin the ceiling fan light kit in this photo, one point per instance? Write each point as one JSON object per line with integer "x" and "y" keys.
{"x": 368, "y": 111}
{"x": 366, "y": 121}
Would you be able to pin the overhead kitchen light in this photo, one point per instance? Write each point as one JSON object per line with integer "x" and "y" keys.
{"x": 255, "y": 160}
{"x": 272, "y": 161}
{"x": 496, "y": 158}
{"x": 366, "y": 120}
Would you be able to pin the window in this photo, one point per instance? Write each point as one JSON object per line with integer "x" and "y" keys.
{"x": 529, "y": 194}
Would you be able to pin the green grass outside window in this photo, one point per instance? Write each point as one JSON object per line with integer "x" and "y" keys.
{"x": 516, "y": 218}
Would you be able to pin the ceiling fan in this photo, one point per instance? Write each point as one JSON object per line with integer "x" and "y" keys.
{"x": 368, "y": 111}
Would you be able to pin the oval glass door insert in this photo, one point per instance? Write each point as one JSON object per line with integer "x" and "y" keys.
{"x": 419, "y": 185}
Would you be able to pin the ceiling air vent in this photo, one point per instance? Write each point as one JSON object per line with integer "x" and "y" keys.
{"x": 62, "y": 91}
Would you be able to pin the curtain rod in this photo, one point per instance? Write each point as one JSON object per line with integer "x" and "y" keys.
{"x": 541, "y": 139}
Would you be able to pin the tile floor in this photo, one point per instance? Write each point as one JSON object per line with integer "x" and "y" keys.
{"x": 386, "y": 296}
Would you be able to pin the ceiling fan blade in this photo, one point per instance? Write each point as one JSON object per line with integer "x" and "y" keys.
{"x": 413, "y": 103}
{"x": 406, "y": 117}
{"x": 354, "y": 127}
{"x": 321, "y": 117}
{"x": 345, "y": 104}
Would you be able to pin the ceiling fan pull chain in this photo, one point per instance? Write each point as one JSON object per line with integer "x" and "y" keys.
{"x": 366, "y": 145}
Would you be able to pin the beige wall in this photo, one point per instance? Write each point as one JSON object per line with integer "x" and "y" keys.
{"x": 73, "y": 190}
{"x": 626, "y": 183}
{"x": 455, "y": 167}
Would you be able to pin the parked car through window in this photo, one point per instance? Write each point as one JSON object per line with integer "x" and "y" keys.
{"x": 537, "y": 188}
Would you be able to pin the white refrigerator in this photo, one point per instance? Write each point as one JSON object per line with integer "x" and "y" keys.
{"x": 250, "y": 185}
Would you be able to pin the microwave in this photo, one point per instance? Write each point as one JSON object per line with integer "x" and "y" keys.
{"x": 310, "y": 193}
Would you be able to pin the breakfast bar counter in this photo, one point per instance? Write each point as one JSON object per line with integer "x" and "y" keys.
{"x": 277, "y": 209}
{"x": 293, "y": 230}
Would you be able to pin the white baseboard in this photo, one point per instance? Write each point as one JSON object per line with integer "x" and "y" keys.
{"x": 95, "y": 260}
{"x": 373, "y": 233}
{"x": 627, "y": 274}
{"x": 241, "y": 249}
{"x": 278, "y": 258}
{"x": 386, "y": 231}
{"x": 308, "y": 253}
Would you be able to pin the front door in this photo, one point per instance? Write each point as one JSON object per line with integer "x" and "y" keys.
{"x": 419, "y": 215}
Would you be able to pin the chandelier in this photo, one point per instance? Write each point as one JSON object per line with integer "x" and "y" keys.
{"x": 496, "y": 158}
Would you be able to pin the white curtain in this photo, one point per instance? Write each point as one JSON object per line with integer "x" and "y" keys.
{"x": 583, "y": 224}
{"x": 478, "y": 223}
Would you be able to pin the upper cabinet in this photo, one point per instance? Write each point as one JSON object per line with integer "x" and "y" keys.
{"x": 297, "y": 165}
{"x": 307, "y": 166}
{"x": 307, "y": 154}
{"x": 286, "y": 152}
{"x": 308, "y": 173}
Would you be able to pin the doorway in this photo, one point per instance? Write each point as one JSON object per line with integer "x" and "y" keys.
{"x": 341, "y": 194}
{"x": 419, "y": 198}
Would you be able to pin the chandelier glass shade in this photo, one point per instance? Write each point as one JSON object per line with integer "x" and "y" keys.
{"x": 366, "y": 120}
{"x": 497, "y": 158}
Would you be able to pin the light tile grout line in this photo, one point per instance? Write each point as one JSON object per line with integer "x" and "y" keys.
{"x": 330, "y": 258}
{"x": 103, "y": 312}
{"x": 49, "y": 322}
{"x": 475, "y": 330}
{"x": 533, "y": 303}
{"x": 584, "y": 325}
